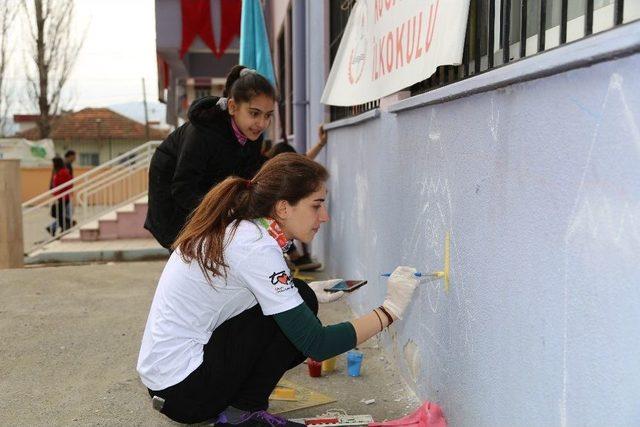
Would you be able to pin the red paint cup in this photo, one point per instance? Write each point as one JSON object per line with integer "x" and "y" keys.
{"x": 315, "y": 368}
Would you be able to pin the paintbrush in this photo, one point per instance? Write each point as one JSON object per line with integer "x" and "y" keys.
{"x": 419, "y": 274}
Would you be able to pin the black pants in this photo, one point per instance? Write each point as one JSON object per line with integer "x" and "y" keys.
{"x": 62, "y": 214}
{"x": 243, "y": 361}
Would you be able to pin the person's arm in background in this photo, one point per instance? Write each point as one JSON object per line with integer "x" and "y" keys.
{"x": 190, "y": 168}
{"x": 322, "y": 141}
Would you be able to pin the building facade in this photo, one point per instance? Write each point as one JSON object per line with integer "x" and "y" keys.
{"x": 527, "y": 158}
{"x": 194, "y": 51}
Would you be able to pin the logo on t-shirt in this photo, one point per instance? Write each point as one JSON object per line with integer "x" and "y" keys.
{"x": 281, "y": 281}
{"x": 280, "y": 277}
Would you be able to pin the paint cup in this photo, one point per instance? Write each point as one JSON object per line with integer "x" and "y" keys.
{"x": 329, "y": 365}
{"x": 354, "y": 363}
{"x": 315, "y": 368}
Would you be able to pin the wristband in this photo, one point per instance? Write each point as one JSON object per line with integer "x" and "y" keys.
{"x": 380, "y": 319}
{"x": 384, "y": 310}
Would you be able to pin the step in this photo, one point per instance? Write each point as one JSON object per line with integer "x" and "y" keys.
{"x": 74, "y": 236}
{"x": 90, "y": 232}
{"x": 126, "y": 222}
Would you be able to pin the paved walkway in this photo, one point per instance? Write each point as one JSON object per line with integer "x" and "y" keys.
{"x": 98, "y": 251}
{"x": 70, "y": 338}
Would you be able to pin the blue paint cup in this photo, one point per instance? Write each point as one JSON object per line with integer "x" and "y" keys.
{"x": 354, "y": 363}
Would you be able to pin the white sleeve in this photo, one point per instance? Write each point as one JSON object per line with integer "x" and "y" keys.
{"x": 267, "y": 276}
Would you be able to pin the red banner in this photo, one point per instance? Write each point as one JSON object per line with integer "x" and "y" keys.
{"x": 196, "y": 21}
{"x": 231, "y": 11}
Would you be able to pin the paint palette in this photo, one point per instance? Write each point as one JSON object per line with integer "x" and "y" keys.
{"x": 335, "y": 420}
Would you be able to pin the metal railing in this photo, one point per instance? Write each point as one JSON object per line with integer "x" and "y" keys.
{"x": 93, "y": 194}
{"x": 504, "y": 31}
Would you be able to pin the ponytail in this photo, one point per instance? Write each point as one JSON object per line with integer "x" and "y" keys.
{"x": 202, "y": 237}
{"x": 233, "y": 75}
{"x": 243, "y": 85}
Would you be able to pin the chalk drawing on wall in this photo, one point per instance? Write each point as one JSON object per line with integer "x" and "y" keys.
{"x": 435, "y": 223}
{"x": 494, "y": 119}
{"x": 604, "y": 222}
{"x": 444, "y": 322}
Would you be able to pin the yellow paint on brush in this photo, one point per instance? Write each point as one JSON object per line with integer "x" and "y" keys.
{"x": 447, "y": 263}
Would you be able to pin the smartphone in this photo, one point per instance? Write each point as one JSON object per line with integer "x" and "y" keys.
{"x": 347, "y": 286}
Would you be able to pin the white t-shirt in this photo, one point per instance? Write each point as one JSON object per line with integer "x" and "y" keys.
{"x": 187, "y": 308}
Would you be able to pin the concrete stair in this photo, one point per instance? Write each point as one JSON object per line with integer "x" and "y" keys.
{"x": 126, "y": 222}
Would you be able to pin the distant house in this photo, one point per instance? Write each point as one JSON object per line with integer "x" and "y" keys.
{"x": 25, "y": 122}
{"x": 96, "y": 135}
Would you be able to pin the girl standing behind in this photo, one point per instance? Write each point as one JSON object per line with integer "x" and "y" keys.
{"x": 223, "y": 137}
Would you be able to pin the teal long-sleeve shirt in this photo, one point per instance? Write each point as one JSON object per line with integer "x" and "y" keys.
{"x": 307, "y": 334}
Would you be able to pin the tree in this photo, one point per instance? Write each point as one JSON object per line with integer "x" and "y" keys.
{"x": 53, "y": 50}
{"x": 8, "y": 10}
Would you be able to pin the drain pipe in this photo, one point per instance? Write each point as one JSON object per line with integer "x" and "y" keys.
{"x": 299, "y": 76}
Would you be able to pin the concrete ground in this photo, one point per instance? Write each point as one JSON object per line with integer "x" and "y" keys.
{"x": 70, "y": 338}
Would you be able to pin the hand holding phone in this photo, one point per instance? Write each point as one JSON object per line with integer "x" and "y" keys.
{"x": 346, "y": 286}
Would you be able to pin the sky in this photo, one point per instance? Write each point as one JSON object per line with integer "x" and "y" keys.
{"x": 118, "y": 51}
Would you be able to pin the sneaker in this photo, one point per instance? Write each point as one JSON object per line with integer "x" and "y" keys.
{"x": 50, "y": 230}
{"x": 305, "y": 263}
{"x": 257, "y": 419}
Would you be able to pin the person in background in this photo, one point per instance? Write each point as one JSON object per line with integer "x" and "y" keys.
{"x": 303, "y": 261}
{"x": 60, "y": 208}
{"x": 227, "y": 319}
{"x": 222, "y": 138}
{"x": 69, "y": 158}
{"x": 312, "y": 153}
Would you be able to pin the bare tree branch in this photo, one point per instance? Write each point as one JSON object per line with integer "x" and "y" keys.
{"x": 8, "y": 11}
{"x": 54, "y": 50}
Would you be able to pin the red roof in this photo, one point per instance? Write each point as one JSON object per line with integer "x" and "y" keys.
{"x": 25, "y": 118}
{"x": 96, "y": 124}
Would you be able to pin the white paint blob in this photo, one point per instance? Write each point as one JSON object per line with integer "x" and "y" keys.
{"x": 412, "y": 357}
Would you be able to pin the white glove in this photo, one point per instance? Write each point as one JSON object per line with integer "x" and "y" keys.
{"x": 322, "y": 295}
{"x": 400, "y": 287}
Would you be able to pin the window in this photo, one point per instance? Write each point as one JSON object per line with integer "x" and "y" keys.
{"x": 202, "y": 91}
{"x": 89, "y": 159}
{"x": 561, "y": 21}
{"x": 529, "y": 30}
{"x": 284, "y": 75}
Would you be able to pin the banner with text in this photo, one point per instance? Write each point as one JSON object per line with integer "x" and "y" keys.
{"x": 391, "y": 44}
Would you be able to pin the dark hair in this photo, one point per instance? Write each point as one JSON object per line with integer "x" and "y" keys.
{"x": 279, "y": 148}
{"x": 243, "y": 87}
{"x": 58, "y": 163}
{"x": 289, "y": 177}
{"x": 70, "y": 153}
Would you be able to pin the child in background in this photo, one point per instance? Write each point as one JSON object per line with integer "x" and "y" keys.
{"x": 302, "y": 262}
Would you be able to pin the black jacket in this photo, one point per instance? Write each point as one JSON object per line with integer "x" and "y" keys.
{"x": 193, "y": 159}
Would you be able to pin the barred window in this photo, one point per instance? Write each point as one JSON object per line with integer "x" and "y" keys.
{"x": 533, "y": 26}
